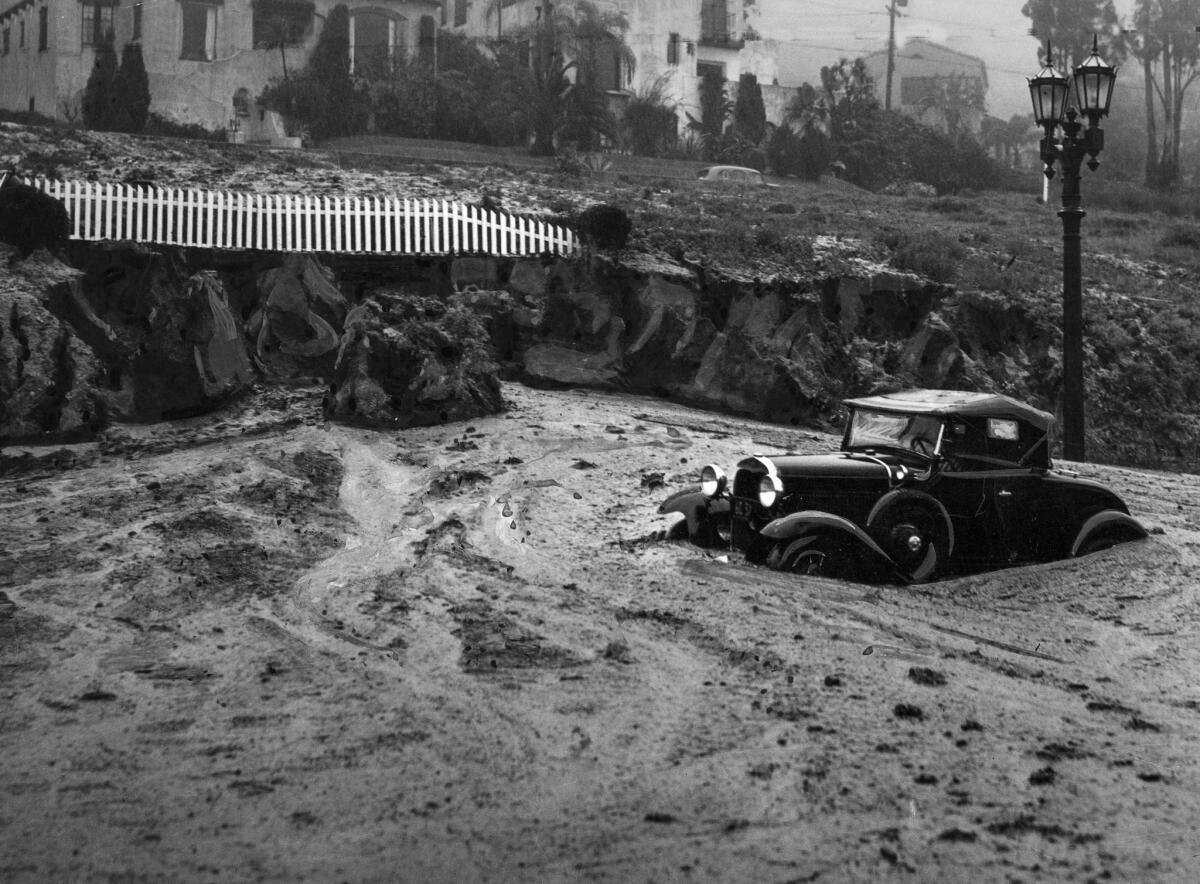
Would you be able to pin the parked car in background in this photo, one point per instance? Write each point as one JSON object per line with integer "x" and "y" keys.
{"x": 740, "y": 175}
{"x": 927, "y": 482}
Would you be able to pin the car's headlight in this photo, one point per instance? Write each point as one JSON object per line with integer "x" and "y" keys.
{"x": 769, "y": 489}
{"x": 712, "y": 481}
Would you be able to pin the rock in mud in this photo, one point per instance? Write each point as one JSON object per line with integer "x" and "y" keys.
{"x": 31, "y": 220}
{"x": 52, "y": 385}
{"x": 170, "y": 341}
{"x": 405, "y": 361}
{"x": 295, "y": 326}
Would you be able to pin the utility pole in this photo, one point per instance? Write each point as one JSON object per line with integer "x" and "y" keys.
{"x": 891, "y": 63}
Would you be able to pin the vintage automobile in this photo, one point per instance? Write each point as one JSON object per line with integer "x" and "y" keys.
{"x": 739, "y": 175}
{"x": 927, "y": 483}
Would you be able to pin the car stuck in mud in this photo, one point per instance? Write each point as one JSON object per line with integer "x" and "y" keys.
{"x": 927, "y": 483}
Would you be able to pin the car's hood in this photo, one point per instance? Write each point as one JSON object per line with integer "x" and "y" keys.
{"x": 832, "y": 466}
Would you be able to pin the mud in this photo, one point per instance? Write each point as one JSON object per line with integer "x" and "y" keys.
{"x": 254, "y": 646}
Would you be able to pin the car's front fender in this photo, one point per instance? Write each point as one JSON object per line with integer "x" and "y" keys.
{"x": 795, "y": 524}
{"x": 1121, "y": 524}
{"x": 693, "y": 504}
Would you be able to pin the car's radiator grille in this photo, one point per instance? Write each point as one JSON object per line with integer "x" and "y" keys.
{"x": 745, "y": 483}
{"x": 748, "y": 515}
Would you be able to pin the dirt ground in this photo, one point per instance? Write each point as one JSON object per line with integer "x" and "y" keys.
{"x": 257, "y": 647}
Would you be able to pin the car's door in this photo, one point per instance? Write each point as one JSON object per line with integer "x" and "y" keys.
{"x": 1018, "y": 498}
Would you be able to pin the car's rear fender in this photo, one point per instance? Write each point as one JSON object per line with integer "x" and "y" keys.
{"x": 695, "y": 506}
{"x": 1122, "y": 525}
{"x": 809, "y": 521}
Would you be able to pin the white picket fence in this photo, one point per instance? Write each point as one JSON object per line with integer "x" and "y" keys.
{"x": 299, "y": 223}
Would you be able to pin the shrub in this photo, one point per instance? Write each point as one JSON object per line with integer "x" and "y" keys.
{"x": 321, "y": 99}
{"x": 649, "y": 127}
{"x": 929, "y": 253}
{"x": 30, "y": 219}
{"x": 605, "y": 227}
{"x": 405, "y": 103}
{"x": 734, "y": 150}
{"x": 130, "y": 92}
{"x": 714, "y": 103}
{"x": 749, "y": 112}
{"x": 98, "y": 95}
{"x": 157, "y": 124}
{"x": 1181, "y": 237}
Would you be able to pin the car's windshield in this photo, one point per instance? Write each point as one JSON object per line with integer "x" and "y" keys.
{"x": 880, "y": 429}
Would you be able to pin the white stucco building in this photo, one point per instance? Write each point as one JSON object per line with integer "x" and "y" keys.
{"x": 673, "y": 41}
{"x": 206, "y": 59}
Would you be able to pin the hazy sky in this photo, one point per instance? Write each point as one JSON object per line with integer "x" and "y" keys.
{"x": 993, "y": 30}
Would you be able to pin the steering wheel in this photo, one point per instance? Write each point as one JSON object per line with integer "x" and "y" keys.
{"x": 921, "y": 445}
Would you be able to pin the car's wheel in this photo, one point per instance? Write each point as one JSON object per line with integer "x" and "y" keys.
{"x": 1104, "y": 540}
{"x": 817, "y": 555}
{"x": 678, "y": 531}
{"x": 713, "y": 530}
{"x": 911, "y": 534}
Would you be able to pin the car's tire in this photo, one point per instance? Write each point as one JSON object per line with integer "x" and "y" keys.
{"x": 678, "y": 531}
{"x": 814, "y": 555}
{"x": 912, "y": 534}
{"x": 1104, "y": 539}
{"x": 713, "y": 530}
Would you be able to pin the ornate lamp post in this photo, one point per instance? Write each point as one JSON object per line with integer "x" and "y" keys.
{"x": 1052, "y": 109}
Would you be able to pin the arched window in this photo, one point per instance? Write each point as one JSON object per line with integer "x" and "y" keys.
{"x": 378, "y": 42}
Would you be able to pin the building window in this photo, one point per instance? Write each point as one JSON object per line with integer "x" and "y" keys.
{"x": 281, "y": 21}
{"x": 931, "y": 91}
{"x": 21, "y": 37}
{"x": 427, "y": 39}
{"x": 377, "y": 43}
{"x": 137, "y": 21}
{"x": 4, "y": 42}
{"x": 97, "y": 29}
{"x": 460, "y": 12}
{"x": 718, "y": 24}
{"x": 43, "y": 29}
{"x": 673, "y": 49}
{"x": 199, "y": 40}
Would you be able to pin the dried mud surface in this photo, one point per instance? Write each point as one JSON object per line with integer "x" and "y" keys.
{"x": 256, "y": 647}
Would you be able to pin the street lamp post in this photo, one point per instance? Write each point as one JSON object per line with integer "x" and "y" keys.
{"x": 1052, "y": 110}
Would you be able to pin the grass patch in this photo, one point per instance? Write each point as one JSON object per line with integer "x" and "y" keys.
{"x": 928, "y": 252}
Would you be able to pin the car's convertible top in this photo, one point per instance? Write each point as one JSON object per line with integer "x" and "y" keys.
{"x": 957, "y": 402}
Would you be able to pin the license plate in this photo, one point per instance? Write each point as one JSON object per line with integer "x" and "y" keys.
{"x": 741, "y": 509}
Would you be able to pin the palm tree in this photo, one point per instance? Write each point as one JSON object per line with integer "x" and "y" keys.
{"x": 562, "y": 91}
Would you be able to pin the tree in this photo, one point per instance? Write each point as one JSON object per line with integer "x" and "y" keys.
{"x": 323, "y": 96}
{"x": 1069, "y": 25}
{"x": 848, "y": 97}
{"x": 464, "y": 77}
{"x": 1007, "y": 138}
{"x": 98, "y": 98}
{"x": 749, "y": 112}
{"x": 561, "y": 93}
{"x": 649, "y": 126}
{"x": 840, "y": 119}
{"x": 131, "y": 91}
{"x": 715, "y": 106}
{"x": 955, "y": 99}
{"x": 1166, "y": 44}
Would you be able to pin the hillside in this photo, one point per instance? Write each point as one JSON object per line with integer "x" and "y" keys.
{"x": 255, "y": 645}
{"x": 1142, "y": 330}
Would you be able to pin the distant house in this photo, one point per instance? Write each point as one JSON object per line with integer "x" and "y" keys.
{"x": 206, "y": 60}
{"x": 933, "y": 83}
{"x": 673, "y": 41}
